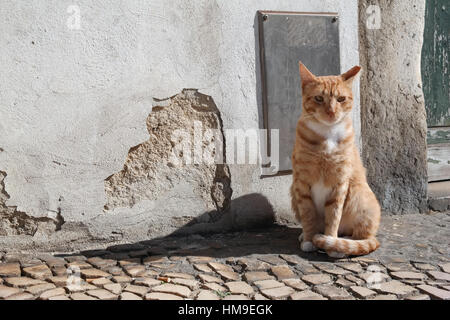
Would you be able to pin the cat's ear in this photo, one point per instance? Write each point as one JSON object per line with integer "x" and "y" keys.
{"x": 305, "y": 74}
{"x": 351, "y": 74}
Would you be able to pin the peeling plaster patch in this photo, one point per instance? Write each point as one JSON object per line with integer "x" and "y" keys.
{"x": 14, "y": 222}
{"x": 149, "y": 172}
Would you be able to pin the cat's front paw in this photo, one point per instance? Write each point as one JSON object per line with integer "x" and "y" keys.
{"x": 306, "y": 246}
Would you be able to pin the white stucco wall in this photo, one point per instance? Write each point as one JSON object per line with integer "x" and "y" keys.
{"x": 72, "y": 102}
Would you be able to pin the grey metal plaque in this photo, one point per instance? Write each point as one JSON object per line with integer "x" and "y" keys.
{"x": 286, "y": 38}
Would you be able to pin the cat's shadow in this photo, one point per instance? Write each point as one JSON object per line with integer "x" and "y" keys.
{"x": 249, "y": 229}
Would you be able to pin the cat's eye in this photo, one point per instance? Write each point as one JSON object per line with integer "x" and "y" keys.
{"x": 318, "y": 98}
{"x": 341, "y": 99}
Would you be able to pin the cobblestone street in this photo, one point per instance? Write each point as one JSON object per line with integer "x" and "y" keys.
{"x": 413, "y": 263}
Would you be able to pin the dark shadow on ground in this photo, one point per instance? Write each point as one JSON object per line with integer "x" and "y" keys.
{"x": 252, "y": 232}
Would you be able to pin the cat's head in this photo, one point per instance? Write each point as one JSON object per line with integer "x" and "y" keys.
{"x": 327, "y": 99}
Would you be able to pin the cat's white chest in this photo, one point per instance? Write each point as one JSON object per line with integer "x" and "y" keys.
{"x": 320, "y": 193}
{"x": 332, "y": 134}
{"x": 331, "y": 144}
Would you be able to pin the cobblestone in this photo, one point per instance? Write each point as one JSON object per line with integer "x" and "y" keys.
{"x": 240, "y": 265}
{"x": 332, "y": 292}
{"x": 385, "y": 297}
{"x": 93, "y": 273}
{"x": 52, "y": 293}
{"x": 6, "y": 292}
{"x": 173, "y": 289}
{"x": 437, "y": 275}
{"x": 202, "y": 268}
{"x": 21, "y": 296}
{"x": 315, "y": 279}
{"x": 139, "y": 290}
{"x": 253, "y": 276}
{"x": 395, "y": 287}
{"x": 38, "y": 289}
{"x": 102, "y": 294}
{"x": 435, "y": 292}
{"x": 191, "y": 284}
{"x": 353, "y": 267}
{"x": 121, "y": 279}
{"x": 268, "y": 284}
{"x": 418, "y": 297}
{"x": 331, "y": 269}
{"x": 253, "y": 265}
{"x": 283, "y": 272}
{"x": 362, "y": 292}
{"x": 41, "y": 272}
{"x": 278, "y": 293}
{"x": 307, "y": 295}
{"x": 214, "y": 287}
{"x": 59, "y": 281}
{"x": 179, "y": 275}
{"x": 134, "y": 270}
{"x": 341, "y": 282}
{"x": 81, "y": 296}
{"x": 424, "y": 266}
{"x": 162, "y": 296}
{"x": 259, "y": 296}
{"x": 101, "y": 282}
{"x": 79, "y": 287}
{"x": 208, "y": 278}
{"x": 114, "y": 288}
{"x": 21, "y": 282}
{"x": 129, "y": 296}
{"x": 10, "y": 270}
{"x": 239, "y": 287}
{"x": 236, "y": 297}
{"x": 445, "y": 267}
{"x": 228, "y": 275}
{"x": 207, "y": 295}
{"x": 149, "y": 282}
{"x": 408, "y": 275}
{"x": 354, "y": 279}
{"x": 79, "y": 265}
{"x": 297, "y": 284}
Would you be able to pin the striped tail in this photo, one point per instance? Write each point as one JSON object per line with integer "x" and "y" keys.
{"x": 346, "y": 246}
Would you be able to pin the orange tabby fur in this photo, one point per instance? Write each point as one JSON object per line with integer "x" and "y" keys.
{"x": 330, "y": 195}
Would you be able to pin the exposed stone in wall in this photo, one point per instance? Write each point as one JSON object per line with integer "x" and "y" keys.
{"x": 14, "y": 222}
{"x": 155, "y": 166}
{"x": 393, "y": 121}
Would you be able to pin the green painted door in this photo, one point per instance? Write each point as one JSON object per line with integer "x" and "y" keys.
{"x": 435, "y": 62}
{"x": 436, "y": 84}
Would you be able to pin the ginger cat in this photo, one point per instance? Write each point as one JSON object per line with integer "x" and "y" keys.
{"x": 330, "y": 195}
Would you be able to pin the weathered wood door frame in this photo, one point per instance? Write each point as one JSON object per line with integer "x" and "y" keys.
{"x": 436, "y": 83}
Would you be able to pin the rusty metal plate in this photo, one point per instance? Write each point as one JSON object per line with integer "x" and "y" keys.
{"x": 284, "y": 39}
